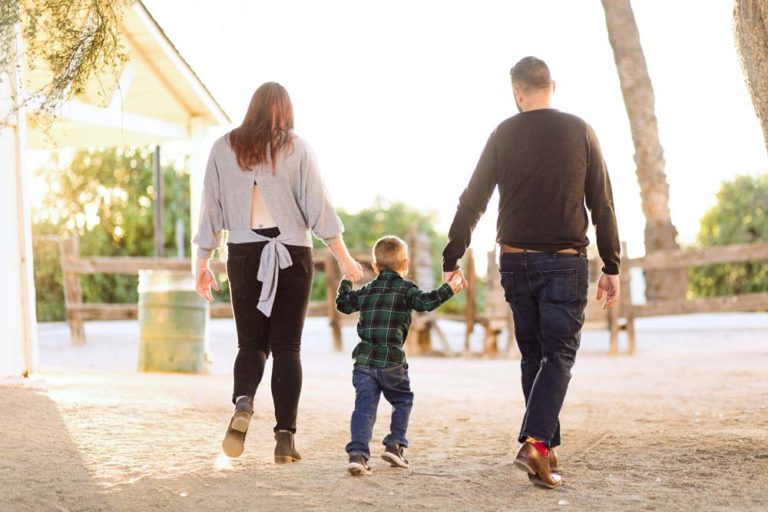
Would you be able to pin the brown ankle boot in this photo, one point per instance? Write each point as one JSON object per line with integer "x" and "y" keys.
{"x": 532, "y": 462}
{"x": 285, "y": 450}
{"x": 234, "y": 440}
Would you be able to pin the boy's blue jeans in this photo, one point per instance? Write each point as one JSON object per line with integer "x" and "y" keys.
{"x": 370, "y": 383}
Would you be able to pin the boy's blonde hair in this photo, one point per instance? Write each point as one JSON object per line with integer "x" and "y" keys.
{"x": 390, "y": 253}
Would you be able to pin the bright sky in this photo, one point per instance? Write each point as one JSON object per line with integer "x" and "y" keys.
{"x": 397, "y": 98}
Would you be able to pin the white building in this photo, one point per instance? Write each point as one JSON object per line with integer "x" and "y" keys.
{"x": 157, "y": 97}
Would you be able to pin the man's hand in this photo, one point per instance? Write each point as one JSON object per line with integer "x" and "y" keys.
{"x": 456, "y": 283}
{"x": 610, "y": 285}
{"x": 448, "y": 276}
{"x": 204, "y": 281}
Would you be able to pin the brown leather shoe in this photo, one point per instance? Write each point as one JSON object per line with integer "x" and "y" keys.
{"x": 553, "y": 466}
{"x": 532, "y": 462}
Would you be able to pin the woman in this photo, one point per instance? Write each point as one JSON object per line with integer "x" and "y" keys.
{"x": 263, "y": 186}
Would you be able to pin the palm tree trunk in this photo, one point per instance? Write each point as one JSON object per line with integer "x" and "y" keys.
{"x": 637, "y": 91}
{"x": 750, "y": 26}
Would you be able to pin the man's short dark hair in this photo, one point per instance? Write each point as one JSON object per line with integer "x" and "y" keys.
{"x": 531, "y": 74}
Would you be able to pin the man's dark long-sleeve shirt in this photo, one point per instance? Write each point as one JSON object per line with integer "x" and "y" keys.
{"x": 548, "y": 167}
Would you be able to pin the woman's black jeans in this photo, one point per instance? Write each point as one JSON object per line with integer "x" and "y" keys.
{"x": 280, "y": 334}
{"x": 548, "y": 294}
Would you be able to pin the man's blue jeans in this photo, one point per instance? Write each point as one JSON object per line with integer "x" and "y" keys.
{"x": 369, "y": 384}
{"x": 547, "y": 293}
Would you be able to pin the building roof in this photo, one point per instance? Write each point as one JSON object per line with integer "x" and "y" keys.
{"x": 155, "y": 97}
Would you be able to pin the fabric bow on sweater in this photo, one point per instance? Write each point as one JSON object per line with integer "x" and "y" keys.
{"x": 274, "y": 257}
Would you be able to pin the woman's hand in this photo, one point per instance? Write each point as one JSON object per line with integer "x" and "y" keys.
{"x": 351, "y": 269}
{"x": 205, "y": 280}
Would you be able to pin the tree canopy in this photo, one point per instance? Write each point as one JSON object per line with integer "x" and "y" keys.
{"x": 739, "y": 217}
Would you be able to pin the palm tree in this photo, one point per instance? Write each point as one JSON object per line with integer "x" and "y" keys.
{"x": 750, "y": 26}
{"x": 637, "y": 91}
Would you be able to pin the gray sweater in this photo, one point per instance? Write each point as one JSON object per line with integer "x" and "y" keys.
{"x": 295, "y": 196}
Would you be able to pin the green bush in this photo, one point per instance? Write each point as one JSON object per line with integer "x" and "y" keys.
{"x": 105, "y": 197}
{"x": 739, "y": 217}
{"x": 49, "y": 295}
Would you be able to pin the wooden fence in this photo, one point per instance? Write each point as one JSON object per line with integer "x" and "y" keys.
{"x": 496, "y": 318}
{"x": 74, "y": 266}
{"x": 687, "y": 258}
{"x": 622, "y": 317}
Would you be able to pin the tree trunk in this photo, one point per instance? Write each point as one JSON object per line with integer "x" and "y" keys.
{"x": 637, "y": 91}
{"x": 750, "y": 26}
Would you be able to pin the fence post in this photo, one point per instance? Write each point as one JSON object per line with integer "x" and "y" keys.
{"x": 512, "y": 348}
{"x": 332, "y": 283}
{"x": 625, "y": 298}
{"x": 73, "y": 291}
{"x": 419, "y": 339}
{"x": 494, "y": 306}
{"x": 469, "y": 311}
{"x": 613, "y": 325}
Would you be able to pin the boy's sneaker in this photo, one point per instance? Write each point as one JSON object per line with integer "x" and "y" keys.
{"x": 393, "y": 453}
{"x": 358, "y": 465}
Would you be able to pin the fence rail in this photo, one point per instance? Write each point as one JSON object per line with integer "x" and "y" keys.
{"x": 77, "y": 312}
{"x": 729, "y": 304}
{"x": 495, "y": 319}
{"x": 623, "y": 316}
{"x": 74, "y": 266}
{"x": 122, "y": 264}
{"x": 685, "y": 258}
{"x": 688, "y": 258}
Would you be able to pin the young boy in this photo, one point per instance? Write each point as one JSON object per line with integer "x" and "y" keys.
{"x": 385, "y": 306}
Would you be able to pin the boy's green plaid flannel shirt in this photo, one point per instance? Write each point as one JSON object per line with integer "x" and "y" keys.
{"x": 385, "y": 306}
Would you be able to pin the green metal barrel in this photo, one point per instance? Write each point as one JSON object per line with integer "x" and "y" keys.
{"x": 172, "y": 323}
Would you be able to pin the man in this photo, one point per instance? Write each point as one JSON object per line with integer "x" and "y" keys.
{"x": 548, "y": 166}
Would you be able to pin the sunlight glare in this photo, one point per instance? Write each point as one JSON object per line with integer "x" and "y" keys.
{"x": 223, "y": 463}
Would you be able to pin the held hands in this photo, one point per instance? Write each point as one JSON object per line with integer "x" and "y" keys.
{"x": 608, "y": 284}
{"x": 455, "y": 279}
{"x": 351, "y": 269}
{"x": 204, "y": 281}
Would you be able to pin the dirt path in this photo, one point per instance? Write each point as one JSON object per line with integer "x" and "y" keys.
{"x": 681, "y": 426}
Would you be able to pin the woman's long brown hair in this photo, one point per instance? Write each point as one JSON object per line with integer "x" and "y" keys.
{"x": 267, "y": 128}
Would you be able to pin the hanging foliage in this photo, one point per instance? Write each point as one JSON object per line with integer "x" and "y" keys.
{"x": 73, "y": 41}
